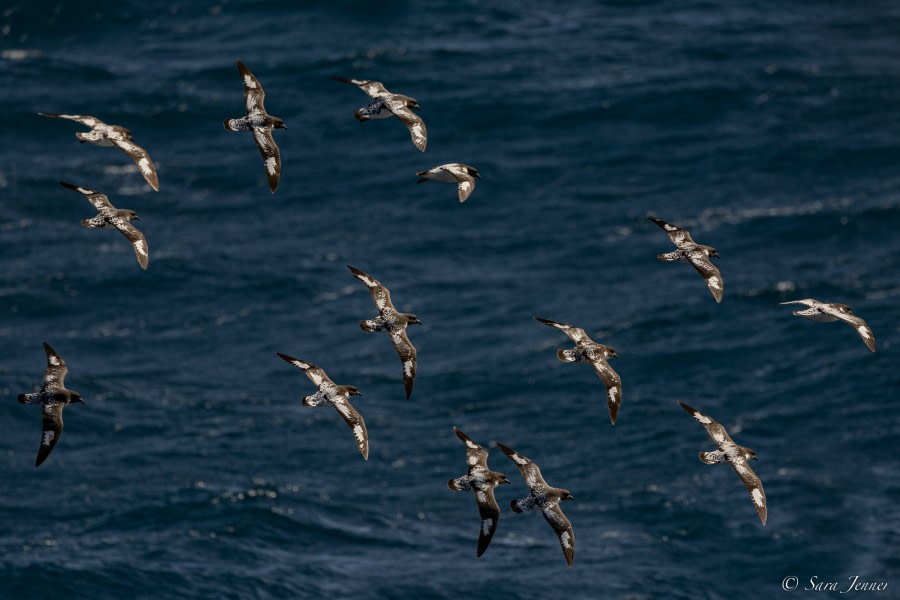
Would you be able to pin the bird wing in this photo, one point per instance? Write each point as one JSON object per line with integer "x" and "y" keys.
{"x": 613, "y": 384}
{"x": 254, "y": 96}
{"x": 408, "y": 356}
{"x": 137, "y": 240}
{"x": 374, "y": 89}
{"x": 83, "y": 119}
{"x": 100, "y": 201}
{"x": 356, "y": 423}
{"x": 380, "y": 294}
{"x": 710, "y": 273}
{"x": 753, "y": 485}
{"x": 55, "y": 375}
{"x": 476, "y": 456}
{"x": 51, "y": 429}
{"x": 678, "y": 235}
{"x": 576, "y": 334}
{"x": 563, "y": 529}
{"x": 530, "y": 471}
{"x": 141, "y": 159}
{"x": 715, "y": 430}
{"x": 414, "y": 123}
{"x": 490, "y": 516}
{"x": 315, "y": 374}
{"x": 859, "y": 324}
{"x": 270, "y": 155}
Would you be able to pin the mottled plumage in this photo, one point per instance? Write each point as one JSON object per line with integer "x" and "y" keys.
{"x": 696, "y": 254}
{"x": 458, "y": 173}
{"x": 102, "y": 134}
{"x": 385, "y": 104}
{"x": 596, "y": 354}
{"x": 335, "y": 395}
{"x": 480, "y": 480}
{"x": 53, "y": 397}
{"x": 260, "y": 123}
{"x": 736, "y": 456}
{"x": 546, "y": 498}
{"x": 824, "y": 312}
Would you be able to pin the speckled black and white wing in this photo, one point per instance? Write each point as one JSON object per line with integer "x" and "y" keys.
{"x": 576, "y": 334}
{"x": 416, "y": 126}
{"x": 55, "y": 374}
{"x": 51, "y": 429}
{"x": 254, "y": 96}
{"x": 713, "y": 428}
{"x": 476, "y": 456}
{"x": 563, "y": 529}
{"x": 530, "y": 471}
{"x": 823, "y": 312}
{"x": 315, "y": 374}
{"x": 465, "y": 182}
{"x": 816, "y": 312}
{"x": 98, "y": 200}
{"x": 137, "y": 239}
{"x": 490, "y": 517}
{"x": 753, "y": 485}
{"x": 141, "y": 159}
{"x": 709, "y": 271}
{"x": 407, "y": 354}
{"x": 373, "y": 89}
{"x": 613, "y": 384}
{"x": 83, "y": 119}
{"x": 679, "y": 236}
{"x": 861, "y": 327}
{"x": 355, "y": 421}
{"x": 270, "y": 155}
{"x": 380, "y": 294}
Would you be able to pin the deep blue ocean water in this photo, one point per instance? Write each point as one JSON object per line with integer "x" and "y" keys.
{"x": 770, "y": 130}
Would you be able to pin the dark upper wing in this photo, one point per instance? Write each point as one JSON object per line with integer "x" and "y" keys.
{"x": 83, "y": 119}
{"x": 530, "y": 471}
{"x": 753, "y": 485}
{"x": 141, "y": 159}
{"x": 613, "y": 384}
{"x": 373, "y": 88}
{"x": 356, "y": 423}
{"x": 100, "y": 201}
{"x": 416, "y": 127}
{"x": 253, "y": 91}
{"x": 137, "y": 240}
{"x": 476, "y": 456}
{"x": 408, "y": 356}
{"x": 715, "y": 430}
{"x": 563, "y": 529}
{"x": 678, "y": 235}
{"x": 51, "y": 429}
{"x": 710, "y": 273}
{"x": 490, "y": 516}
{"x": 576, "y": 334}
{"x": 861, "y": 327}
{"x": 315, "y": 374}
{"x": 270, "y": 155}
{"x": 55, "y": 375}
{"x": 380, "y": 294}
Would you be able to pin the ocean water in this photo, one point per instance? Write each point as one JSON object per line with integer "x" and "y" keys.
{"x": 769, "y": 130}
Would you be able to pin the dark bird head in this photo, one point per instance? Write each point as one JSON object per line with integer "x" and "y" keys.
{"x": 748, "y": 453}
{"x": 501, "y": 478}
{"x": 279, "y": 123}
{"x": 474, "y": 172}
{"x": 76, "y": 397}
{"x": 714, "y": 252}
{"x": 131, "y": 215}
{"x": 351, "y": 389}
{"x": 412, "y": 319}
{"x": 611, "y": 352}
{"x": 411, "y": 103}
{"x": 566, "y": 495}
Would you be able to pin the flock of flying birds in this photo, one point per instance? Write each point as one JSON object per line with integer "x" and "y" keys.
{"x": 54, "y": 396}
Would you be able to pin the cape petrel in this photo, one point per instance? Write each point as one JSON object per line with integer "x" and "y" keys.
{"x": 102, "y": 134}
{"x": 546, "y": 498}
{"x": 458, "y": 173}
{"x": 53, "y": 398}
{"x": 737, "y": 456}
{"x": 691, "y": 252}
{"x": 588, "y": 350}
{"x": 392, "y": 322}
{"x": 823, "y": 312}
{"x": 385, "y": 104}
{"x": 337, "y": 396}
{"x": 110, "y": 216}
{"x": 482, "y": 481}
{"x": 260, "y": 123}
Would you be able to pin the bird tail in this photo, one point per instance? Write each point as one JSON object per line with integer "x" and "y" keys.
{"x": 567, "y": 355}
{"x": 369, "y": 326}
{"x": 21, "y": 398}
{"x": 669, "y": 256}
{"x": 514, "y": 504}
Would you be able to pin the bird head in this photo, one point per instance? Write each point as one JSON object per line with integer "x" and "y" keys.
{"x": 351, "y": 389}
{"x": 566, "y": 495}
{"x": 611, "y": 352}
{"x": 76, "y": 397}
{"x": 412, "y": 319}
{"x": 131, "y": 215}
{"x": 714, "y": 252}
{"x": 279, "y": 124}
{"x": 474, "y": 172}
{"x": 750, "y": 454}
